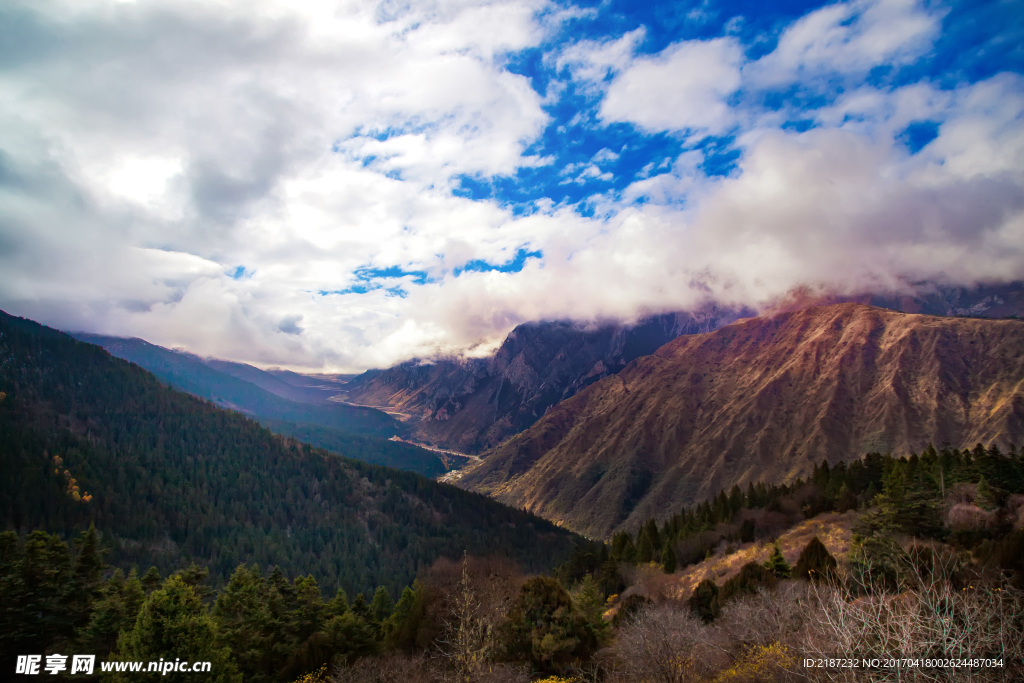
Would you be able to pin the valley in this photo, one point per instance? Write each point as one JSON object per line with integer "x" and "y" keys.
{"x": 761, "y": 399}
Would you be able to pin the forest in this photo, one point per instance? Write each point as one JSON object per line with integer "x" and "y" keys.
{"x": 359, "y": 433}
{"x": 168, "y": 479}
{"x": 937, "y": 534}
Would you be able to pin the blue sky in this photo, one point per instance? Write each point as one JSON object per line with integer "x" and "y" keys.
{"x": 343, "y": 185}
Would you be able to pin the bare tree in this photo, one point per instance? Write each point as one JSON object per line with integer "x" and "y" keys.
{"x": 470, "y": 640}
{"x": 927, "y": 617}
{"x": 666, "y": 645}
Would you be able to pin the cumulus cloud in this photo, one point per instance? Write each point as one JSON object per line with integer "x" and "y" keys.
{"x": 848, "y": 38}
{"x": 283, "y": 183}
{"x": 682, "y": 88}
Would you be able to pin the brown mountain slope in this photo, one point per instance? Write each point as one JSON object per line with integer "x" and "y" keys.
{"x": 472, "y": 405}
{"x": 763, "y": 398}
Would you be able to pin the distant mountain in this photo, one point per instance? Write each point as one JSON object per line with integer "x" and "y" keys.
{"x": 355, "y": 432}
{"x": 472, "y": 405}
{"x": 983, "y": 301}
{"x": 761, "y": 399}
{"x": 168, "y": 478}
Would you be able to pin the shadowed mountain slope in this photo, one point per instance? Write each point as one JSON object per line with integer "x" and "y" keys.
{"x": 360, "y": 433}
{"x": 761, "y": 399}
{"x": 473, "y": 405}
{"x": 168, "y": 478}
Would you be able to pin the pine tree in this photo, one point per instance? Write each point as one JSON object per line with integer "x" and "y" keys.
{"x": 704, "y": 601}
{"x": 815, "y": 563}
{"x": 151, "y": 580}
{"x": 590, "y": 602}
{"x": 87, "y": 577}
{"x": 114, "y": 611}
{"x": 404, "y": 623}
{"x": 338, "y": 605}
{"x": 668, "y": 559}
{"x": 645, "y": 549}
{"x": 380, "y": 606}
{"x": 985, "y": 495}
{"x": 174, "y": 624}
{"x": 609, "y": 578}
{"x": 777, "y": 564}
{"x": 751, "y": 578}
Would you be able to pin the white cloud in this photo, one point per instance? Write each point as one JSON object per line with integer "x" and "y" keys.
{"x": 151, "y": 150}
{"x": 594, "y": 61}
{"x": 847, "y": 38}
{"x": 682, "y": 88}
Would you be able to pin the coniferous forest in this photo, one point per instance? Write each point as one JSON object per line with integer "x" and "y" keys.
{"x": 168, "y": 479}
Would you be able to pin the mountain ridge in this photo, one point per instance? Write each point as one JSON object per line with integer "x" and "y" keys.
{"x": 763, "y": 398}
{"x": 357, "y": 432}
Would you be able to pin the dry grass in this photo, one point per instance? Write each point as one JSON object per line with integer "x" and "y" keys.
{"x": 835, "y": 530}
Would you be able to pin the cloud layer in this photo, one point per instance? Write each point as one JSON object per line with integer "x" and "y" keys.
{"x": 340, "y": 185}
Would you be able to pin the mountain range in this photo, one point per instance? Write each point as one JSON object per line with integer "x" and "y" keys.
{"x": 760, "y": 399}
{"x": 471, "y": 405}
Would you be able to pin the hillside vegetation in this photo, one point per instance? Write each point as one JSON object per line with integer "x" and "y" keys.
{"x": 299, "y": 411}
{"x": 168, "y": 479}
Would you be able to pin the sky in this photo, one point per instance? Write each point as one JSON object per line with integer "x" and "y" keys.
{"x": 335, "y": 186}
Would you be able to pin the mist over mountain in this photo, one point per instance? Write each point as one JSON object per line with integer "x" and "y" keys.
{"x": 472, "y": 405}
{"x": 761, "y": 399}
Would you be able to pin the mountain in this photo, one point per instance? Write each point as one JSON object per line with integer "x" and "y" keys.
{"x": 361, "y": 433}
{"x": 983, "y": 301}
{"x": 761, "y": 399}
{"x": 168, "y": 478}
{"x": 472, "y": 405}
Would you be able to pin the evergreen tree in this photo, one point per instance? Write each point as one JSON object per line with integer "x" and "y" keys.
{"x": 985, "y": 495}
{"x": 380, "y": 606}
{"x": 545, "y": 629}
{"x": 704, "y": 601}
{"x": 668, "y": 559}
{"x": 308, "y": 615}
{"x": 645, "y": 549}
{"x": 360, "y": 608}
{"x": 590, "y": 602}
{"x": 403, "y": 625}
{"x": 351, "y": 637}
{"x": 259, "y": 643}
{"x": 114, "y": 611}
{"x": 777, "y": 564}
{"x": 338, "y": 605}
{"x": 87, "y": 577}
{"x": 752, "y": 576}
{"x": 174, "y": 624}
{"x": 815, "y": 563}
{"x": 609, "y": 578}
{"x": 151, "y": 580}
